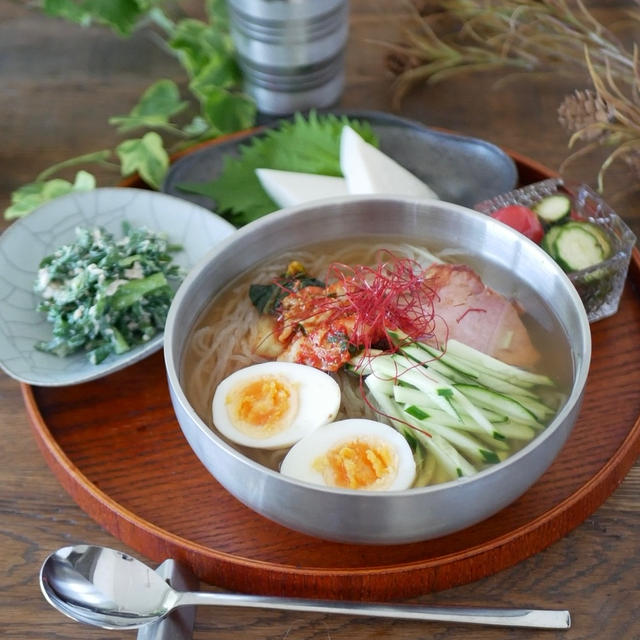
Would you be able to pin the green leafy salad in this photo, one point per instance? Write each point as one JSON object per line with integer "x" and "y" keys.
{"x": 105, "y": 296}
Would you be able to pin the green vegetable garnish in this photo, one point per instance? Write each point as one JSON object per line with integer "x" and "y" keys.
{"x": 456, "y": 428}
{"x": 103, "y": 295}
{"x": 308, "y": 145}
{"x": 265, "y": 297}
{"x": 416, "y": 412}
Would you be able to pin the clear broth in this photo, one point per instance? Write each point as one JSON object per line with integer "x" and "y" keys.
{"x": 222, "y": 338}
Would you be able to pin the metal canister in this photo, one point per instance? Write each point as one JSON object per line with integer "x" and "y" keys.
{"x": 291, "y": 52}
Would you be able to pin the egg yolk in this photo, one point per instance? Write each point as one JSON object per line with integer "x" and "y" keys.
{"x": 358, "y": 464}
{"x": 262, "y": 406}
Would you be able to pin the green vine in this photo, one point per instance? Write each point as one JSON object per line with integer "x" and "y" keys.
{"x": 215, "y": 104}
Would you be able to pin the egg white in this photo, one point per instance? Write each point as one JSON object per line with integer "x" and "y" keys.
{"x": 300, "y": 461}
{"x": 318, "y": 401}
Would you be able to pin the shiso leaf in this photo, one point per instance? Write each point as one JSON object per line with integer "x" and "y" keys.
{"x": 307, "y": 144}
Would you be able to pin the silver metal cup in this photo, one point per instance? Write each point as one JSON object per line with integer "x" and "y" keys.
{"x": 291, "y": 51}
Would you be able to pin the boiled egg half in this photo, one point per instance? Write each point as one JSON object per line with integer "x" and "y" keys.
{"x": 272, "y": 405}
{"x": 352, "y": 454}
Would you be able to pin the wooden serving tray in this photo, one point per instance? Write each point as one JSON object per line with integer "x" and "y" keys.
{"x": 116, "y": 447}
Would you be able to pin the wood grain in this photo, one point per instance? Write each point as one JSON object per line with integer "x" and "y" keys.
{"x": 60, "y": 84}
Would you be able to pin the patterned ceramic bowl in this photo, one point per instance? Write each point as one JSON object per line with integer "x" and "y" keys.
{"x": 27, "y": 241}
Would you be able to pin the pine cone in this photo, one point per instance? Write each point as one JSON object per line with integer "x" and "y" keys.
{"x": 584, "y": 108}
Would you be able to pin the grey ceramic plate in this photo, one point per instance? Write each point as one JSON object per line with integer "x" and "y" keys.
{"x": 30, "y": 239}
{"x": 460, "y": 169}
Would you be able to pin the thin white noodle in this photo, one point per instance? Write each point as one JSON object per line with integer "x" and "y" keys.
{"x": 224, "y": 338}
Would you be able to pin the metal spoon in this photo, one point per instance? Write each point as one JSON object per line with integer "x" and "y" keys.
{"x": 112, "y": 590}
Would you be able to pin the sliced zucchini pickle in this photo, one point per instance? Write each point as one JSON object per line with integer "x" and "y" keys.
{"x": 553, "y": 209}
{"x": 576, "y": 247}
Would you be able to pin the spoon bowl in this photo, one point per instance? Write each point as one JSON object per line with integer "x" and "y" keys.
{"x": 112, "y": 590}
{"x": 104, "y": 587}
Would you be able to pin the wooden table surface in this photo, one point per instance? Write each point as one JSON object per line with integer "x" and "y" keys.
{"x": 59, "y": 84}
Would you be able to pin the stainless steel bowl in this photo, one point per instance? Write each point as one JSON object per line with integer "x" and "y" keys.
{"x": 510, "y": 263}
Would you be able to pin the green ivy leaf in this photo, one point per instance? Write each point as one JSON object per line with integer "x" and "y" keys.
{"x": 199, "y": 128}
{"x": 145, "y": 155}
{"x": 30, "y": 196}
{"x": 67, "y": 9}
{"x": 218, "y": 13}
{"x": 121, "y": 15}
{"x": 225, "y": 111}
{"x": 197, "y": 43}
{"x": 155, "y": 108}
{"x": 221, "y": 71}
{"x": 84, "y": 181}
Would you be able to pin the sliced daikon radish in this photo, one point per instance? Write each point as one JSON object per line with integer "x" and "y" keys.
{"x": 289, "y": 188}
{"x": 368, "y": 170}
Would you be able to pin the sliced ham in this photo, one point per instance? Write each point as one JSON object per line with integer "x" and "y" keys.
{"x": 474, "y": 314}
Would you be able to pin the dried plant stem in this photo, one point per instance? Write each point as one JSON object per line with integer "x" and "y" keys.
{"x": 512, "y": 33}
{"x": 518, "y": 36}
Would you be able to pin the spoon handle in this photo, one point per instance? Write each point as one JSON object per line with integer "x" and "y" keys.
{"x": 533, "y": 618}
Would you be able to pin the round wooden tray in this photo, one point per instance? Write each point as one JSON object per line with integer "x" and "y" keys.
{"x": 116, "y": 447}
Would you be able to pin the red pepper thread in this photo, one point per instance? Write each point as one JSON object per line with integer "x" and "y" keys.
{"x": 459, "y": 319}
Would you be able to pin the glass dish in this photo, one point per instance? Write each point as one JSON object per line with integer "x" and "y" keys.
{"x": 599, "y": 286}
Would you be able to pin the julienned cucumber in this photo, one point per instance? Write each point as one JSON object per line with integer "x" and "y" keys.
{"x": 553, "y": 209}
{"x": 579, "y": 245}
{"x": 459, "y": 409}
{"x": 498, "y": 402}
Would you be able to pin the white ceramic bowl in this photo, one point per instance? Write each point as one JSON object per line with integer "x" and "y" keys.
{"x": 28, "y": 240}
{"x": 512, "y": 264}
